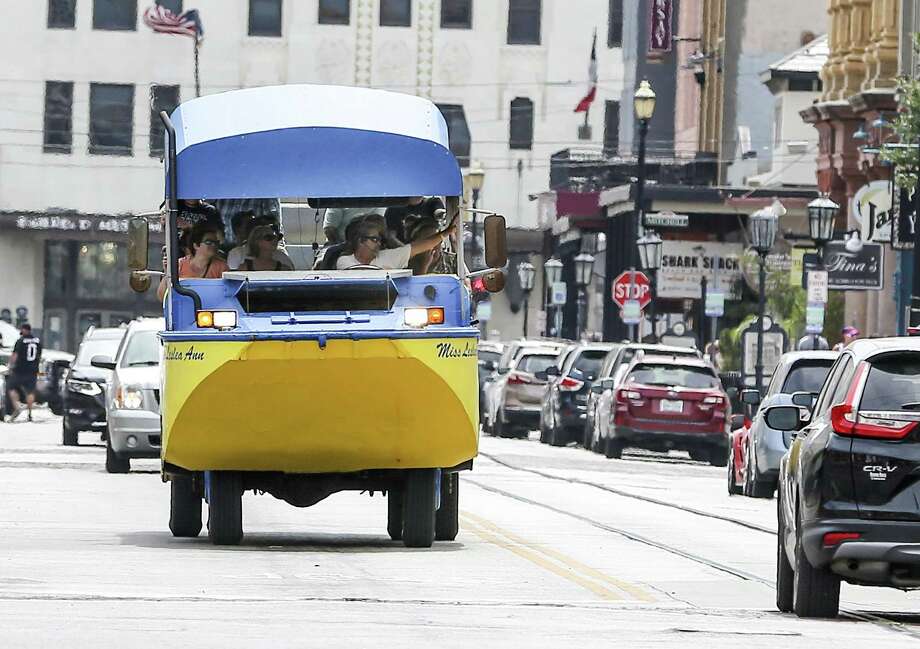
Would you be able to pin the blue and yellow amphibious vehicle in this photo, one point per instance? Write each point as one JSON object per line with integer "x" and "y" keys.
{"x": 308, "y": 382}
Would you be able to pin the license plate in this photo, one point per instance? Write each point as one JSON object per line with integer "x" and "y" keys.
{"x": 670, "y": 405}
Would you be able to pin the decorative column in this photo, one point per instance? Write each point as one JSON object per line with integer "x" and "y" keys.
{"x": 854, "y": 68}
{"x": 881, "y": 57}
{"x": 425, "y": 51}
{"x": 364, "y": 41}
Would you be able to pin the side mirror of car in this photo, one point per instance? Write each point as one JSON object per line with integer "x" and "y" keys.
{"x": 786, "y": 418}
{"x": 504, "y": 370}
{"x": 541, "y": 375}
{"x": 750, "y": 397}
{"x": 607, "y": 384}
{"x": 804, "y": 399}
{"x": 737, "y": 421}
{"x": 552, "y": 370}
{"x": 597, "y": 388}
{"x": 102, "y": 362}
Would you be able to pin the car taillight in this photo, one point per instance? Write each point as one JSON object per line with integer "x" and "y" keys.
{"x": 747, "y": 423}
{"x": 568, "y": 384}
{"x": 713, "y": 401}
{"x": 623, "y": 395}
{"x": 518, "y": 379}
{"x": 836, "y": 538}
{"x": 847, "y": 421}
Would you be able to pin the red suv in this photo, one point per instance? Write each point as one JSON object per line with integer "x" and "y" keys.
{"x": 666, "y": 402}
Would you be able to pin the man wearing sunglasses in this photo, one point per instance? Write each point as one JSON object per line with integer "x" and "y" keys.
{"x": 365, "y": 245}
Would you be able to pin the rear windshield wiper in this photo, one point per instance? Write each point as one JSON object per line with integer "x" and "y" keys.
{"x": 913, "y": 405}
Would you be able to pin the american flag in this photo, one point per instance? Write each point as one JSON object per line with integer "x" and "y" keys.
{"x": 585, "y": 104}
{"x": 188, "y": 23}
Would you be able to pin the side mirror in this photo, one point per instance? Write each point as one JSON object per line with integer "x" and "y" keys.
{"x": 786, "y": 418}
{"x": 139, "y": 282}
{"x": 496, "y": 243}
{"x": 804, "y": 399}
{"x": 504, "y": 370}
{"x": 552, "y": 370}
{"x": 494, "y": 282}
{"x": 541, "y": 375}
{"x": 102, "y": 362}
{"x": 597, "y": 388}
{"x": 607, "y": 384}
{"x": 490, "y": 365}
{"x": 750, "y": 397}
{"x": 737, "y": 421}
{"x": 138, "y": 242}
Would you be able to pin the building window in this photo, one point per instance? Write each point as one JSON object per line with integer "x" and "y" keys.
{"x": 777, "y": 124}
{"x": 265, "y": 17}
{"x": 175, "y": 6}
{"x": 395, "y": 13}
{"x": 334, "y": 12}
{"x": 615, "y": 24}
{"x": 456, "y": 14}
{"x": 58, "y": 116}
{"x": 111, "y": 123}
{"x": 524, "y": 22}
{"x": 611, "y": 127}
{"x": 116, "y": 15}
{"x": 62, "y": 14}
{"x": 458, "y": 132}
{"x": 521, "y": 131}
{"x": 161, "y": 98}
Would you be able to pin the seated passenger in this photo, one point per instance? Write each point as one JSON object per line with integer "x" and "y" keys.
{"x": 261, "y": 247}
{"x": 367, "y": 237}
{"x": 336, "y": 220}
{"x": 419, "y": 208}
{"x": 204, "y": 262}
{"x": 238, "y": 254}
{"x": 426, "y": 262}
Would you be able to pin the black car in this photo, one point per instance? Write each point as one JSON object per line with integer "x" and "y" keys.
{"x": 84, "y": 392}
{"x": 849, "y": 495}
{"x": 565, "y": 398}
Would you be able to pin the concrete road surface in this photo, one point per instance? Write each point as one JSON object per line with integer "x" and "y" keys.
{"x": 558, "y": 548}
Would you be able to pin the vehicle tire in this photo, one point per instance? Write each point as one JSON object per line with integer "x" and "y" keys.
{"x": 447, "y": 519}
{"x": 557, "y": 436}
{"x": 613, "y": 448}
{"x": 395, "y": 514}
{"x": 761, "y": 488}
{"x": 418, "y": 508}
{"x": 69, "y": 436}
{"x": 717, "y": 457}
{"x": 785, "y": 577}
{"x": 586, "y": 437}
{"x": 114, "y": 463}
{"x": 184, "y": 507}
{"x": 816, "y": 591}
{"x": 500, "y": 427}
{"x": 225, "y": 508}
{"x": 544, "y": 433}
{"x": 734, "y": 488}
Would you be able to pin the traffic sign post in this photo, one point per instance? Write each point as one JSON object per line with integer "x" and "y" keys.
{"x": 631, "y": 285}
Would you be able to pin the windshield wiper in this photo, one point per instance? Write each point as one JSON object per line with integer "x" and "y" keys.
{"x": 913, "y": 405}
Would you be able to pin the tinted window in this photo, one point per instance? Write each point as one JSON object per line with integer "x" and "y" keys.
{"x": 334, "y": 12}
{"x": 489, "y": 356}
{"x": 807, "y": 377}
{"x": 611, "y": 127}
{"x": 395, "y": 13}
{"x": 61, "y": 14}
{"x": 161, "y": 98}
{"x": 524, "y": 22}
{"x": 588, "y": 364}
{"x": 843, "y": 385}
{"x": 615, "y": 24}
{"x": 58, "y": 134}
{"x": 893, "y": 384}
{"x": 143, "y": 348}
{"x": 265, "y": 17}
{"x": 521, "y": 128}
{"x": 111, "y": 124}
{"x": 96, "y": 347}
{"x": 535, "y": 363}
{"x": 688, "y": 377}
{"x": 456, "y": 14}
{"x": 458, "y": 132}
{"x": 115, "y": 14}
{"x": 827, "y": 389}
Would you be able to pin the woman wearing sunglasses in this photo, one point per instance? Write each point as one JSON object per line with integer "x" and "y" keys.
{"x": 366, "y": 240}
{"x": 262, "y": 251}
{"x": 204, "y": 262}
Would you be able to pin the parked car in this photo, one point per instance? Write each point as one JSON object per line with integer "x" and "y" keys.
{"x": 848, "y": 494}
{"x": 614, "y": 368}
{"x": 565, "y": 397}
{"x": 662, "y": 403}
{"x": 519, "y": 392}
{"x": 490, "y": 353}
{"x": 755, "y": 449}
{"x": 132, "y": 399}
{"x": 84, "y": 388}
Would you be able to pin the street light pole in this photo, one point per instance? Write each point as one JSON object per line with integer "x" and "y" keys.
{"x": 584, "y": 267}
{"x": 761, "y": 307}
{"x": 644, "y": 107}
{"x": 763, "y": 225}
{"x": 526, "y": 273}
{"x": 650, "y": 255}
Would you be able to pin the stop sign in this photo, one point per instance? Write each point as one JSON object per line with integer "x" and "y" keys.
{"x": 639, "y": 290}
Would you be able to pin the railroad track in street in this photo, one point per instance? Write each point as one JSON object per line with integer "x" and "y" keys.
{"x": 887, "y": 621}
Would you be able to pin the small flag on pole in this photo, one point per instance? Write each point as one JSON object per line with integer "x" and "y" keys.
{"x": 585, "y": 104}
{"x": 162, "y": 20}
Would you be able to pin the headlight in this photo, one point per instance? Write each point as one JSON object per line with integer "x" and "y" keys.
{"x": 129, "y": 398}
{"x": 89, "y": 388}
{"x": 216, "y": 319}
{"x": 421, "y": 317}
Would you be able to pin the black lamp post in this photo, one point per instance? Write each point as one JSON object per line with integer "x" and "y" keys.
{"x": 822, "y": 212}
{"x": 584, "y": 267}
{"x": 644, "y": 107}
{"x": 552, "y": 269}
{"x": 475, "y": 178}
{"x": 650, "y": 258}
{"x": 526, "y": 273}
{"x": 763, "y": 225}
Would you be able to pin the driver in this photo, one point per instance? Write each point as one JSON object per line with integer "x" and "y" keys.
{"x": 366, "y": 239}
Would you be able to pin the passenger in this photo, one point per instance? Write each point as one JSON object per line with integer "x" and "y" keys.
{"x": 426, "y": 262}
{"x": 204, "y": 262}
{"x": 337, "y": 219}
{"x": 239, "y": 253}
{"x": 366, "y": 239}
{"x": 261, "y": 248}
{"x": 419, "y": 208}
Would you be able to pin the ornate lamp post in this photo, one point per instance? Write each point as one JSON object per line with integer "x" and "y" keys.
{"x": 822, "y": 212}
{"x": 763, "y": 225}
{"x": 650, "y": 259}
{"x": 644, "y": 107}
{"x": 526, "y": 273}
{"x": 584, "y": 266}
{"x": 552, "y": 269}
{"x": 475, "y": 178}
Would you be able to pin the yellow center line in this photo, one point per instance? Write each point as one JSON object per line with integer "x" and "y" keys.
{"x": 575, "y": 565}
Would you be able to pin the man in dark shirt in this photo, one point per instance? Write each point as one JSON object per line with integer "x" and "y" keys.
{"x": 23, "y": 374}
{"x": 400, "y": 219}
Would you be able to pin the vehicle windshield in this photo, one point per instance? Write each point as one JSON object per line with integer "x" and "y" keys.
{"x": 807, "y": 377}
{"x": 485, "y": 357}
{"x": 96, "y": 347}
{"x": 686, "y": 377}
{"x": 142, "y": 350}
{"x": 588, "y": 364}
{"x": 534, "y": 363}
{"x": 893, "y": 384}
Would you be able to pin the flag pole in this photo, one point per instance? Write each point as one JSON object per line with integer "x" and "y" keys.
{"x": 197, "y": 80}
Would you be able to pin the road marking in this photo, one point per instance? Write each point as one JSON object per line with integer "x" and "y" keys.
{"x": 570, "y": 569}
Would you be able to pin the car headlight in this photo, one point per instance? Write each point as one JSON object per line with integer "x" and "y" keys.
{"x": 89, "y": 388}
{"x": 216, "y": 319}
{"x": 422, "y": 316}
{"x": 129, "y": 398}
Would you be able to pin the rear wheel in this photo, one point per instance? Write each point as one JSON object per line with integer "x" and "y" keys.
{"x": 785, "y": 577}
{"x": 418, "y": 508}
{"x": 816, "y": 591}
{"x": 114, "y": 463}
{"x": 225, "y": 508}
{"x": 395, "y": 514}
{"x": 184, "y": 507}
{"x": 447, "y": 520}
{"x": 69, "y": 435}
{"x": 734, "y": 488}
{"x": 613, "y": 448}
{"x": 717, "y": 457}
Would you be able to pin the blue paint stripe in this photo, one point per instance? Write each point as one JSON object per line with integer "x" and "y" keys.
{"x": 237, "y": 336}
{"x": 318, "y": 163}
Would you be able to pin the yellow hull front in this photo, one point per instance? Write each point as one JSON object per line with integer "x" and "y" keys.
{"x": 295, "y": 407}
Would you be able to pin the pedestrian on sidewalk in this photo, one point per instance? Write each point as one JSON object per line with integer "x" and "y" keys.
{"x": 23, "y": 374}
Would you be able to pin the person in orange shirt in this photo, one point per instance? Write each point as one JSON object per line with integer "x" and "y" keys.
{"x": 204, "y": 261}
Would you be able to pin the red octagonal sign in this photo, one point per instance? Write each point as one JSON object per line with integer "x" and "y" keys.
{"x": 637, "y": 289}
